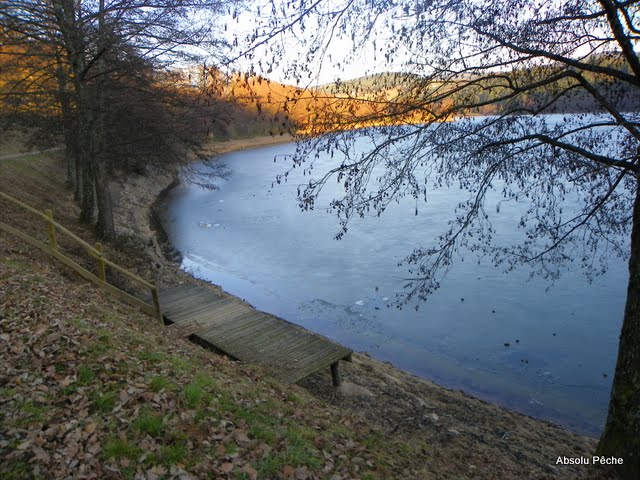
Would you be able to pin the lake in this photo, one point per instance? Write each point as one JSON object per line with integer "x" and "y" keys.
{"x": 547, "y": 351}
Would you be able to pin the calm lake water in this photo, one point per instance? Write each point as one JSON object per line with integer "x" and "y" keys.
{"x": 252, "y": 239}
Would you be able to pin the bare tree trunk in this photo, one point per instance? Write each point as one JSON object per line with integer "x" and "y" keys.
{"x": 85, "y": 162}
{"x": 620, "y": 438}
{"x": 74, "y": 177}
{"x": 105, "y": 225}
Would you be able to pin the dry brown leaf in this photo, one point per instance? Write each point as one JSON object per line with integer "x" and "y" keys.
{"x": 66, "y": 381}
{"x": 241, "y": 438}
{"x": 288, "y": 471}
{"x": 251, "y": 472}
{"x": 41, "y": 455}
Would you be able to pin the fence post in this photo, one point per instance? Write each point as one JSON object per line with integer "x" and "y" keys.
{"x": 53, "y": 241}
{"x": 335, "y": 374}
{"x": 102, "y": 272}
{"x": 156, "y": 303}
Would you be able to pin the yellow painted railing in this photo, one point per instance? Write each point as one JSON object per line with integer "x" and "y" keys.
{"x": 100, "y": 279}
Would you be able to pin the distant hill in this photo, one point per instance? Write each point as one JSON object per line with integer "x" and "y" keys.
{"x": 396, "y": 97}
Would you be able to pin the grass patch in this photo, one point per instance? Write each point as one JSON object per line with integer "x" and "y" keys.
{"x": 172, "y": 454}
{"x": 300, "y": 448}
{"x": 270, "y": 466}
{"x": 16, "y": 470}
{"x": 197, "y": 393}
{"x": 97, "y": 349}
{"x": 120, "y": 448}
{"x": 111, "y": 317}
{"x": 294, "y": 398}
{"x": 263, "y": 432}
{"x": 181, "y": 365}
{"x": 80, "y": 323}
{"x": 8, "y": 392}
{"x": 194, "y": 395}
{"x": 32, "y": 413}
{"x": 17, "y": 265}
{"x": 149, "y": 423}
{"x": 159, "y": 383}
{"x": 104, "y": 402}
{"x": 299, "y": 451}
{"x": 105, "y": 336}
{"x": 85, "y": 375}
{"x": 70, "y": 389}
{"x": 150, "y": 356}
{"x": 230, "y": 448}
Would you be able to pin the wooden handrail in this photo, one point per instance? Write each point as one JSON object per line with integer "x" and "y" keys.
{"x": 96, "y": 252}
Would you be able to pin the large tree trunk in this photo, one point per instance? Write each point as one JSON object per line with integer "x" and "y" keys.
{"x": 105, "y": 225}
{"x": 85, "y": 154}
{"x": 70, "y": 126}
{"x": 621, "y": 437}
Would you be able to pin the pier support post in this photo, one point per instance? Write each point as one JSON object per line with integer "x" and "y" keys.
{"x": 335, "y": 374}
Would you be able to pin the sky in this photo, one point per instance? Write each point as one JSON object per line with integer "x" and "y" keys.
{"x": 335, "y": 64}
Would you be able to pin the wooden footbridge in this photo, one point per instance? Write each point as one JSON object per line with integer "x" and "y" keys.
{"x": 289, "y": 351}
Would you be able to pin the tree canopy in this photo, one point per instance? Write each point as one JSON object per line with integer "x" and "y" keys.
{"x": 100, "y": 70}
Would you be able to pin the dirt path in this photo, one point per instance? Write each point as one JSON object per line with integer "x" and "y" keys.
{"x": 28, "y": 154}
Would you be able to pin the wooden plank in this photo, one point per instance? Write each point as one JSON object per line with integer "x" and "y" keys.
{"x": 273, "y": 342}
{"x": 188, "y": 310}
{"x": 299, "y": 373}
{"x": 191, "y": 301}
{"x": 185, "y": 308}
{"x": 223, "y": 312}
{"x": 181, "y": 292}
{"x": 291, "y": 351}
{"x": 237, "y": 337}
{"x": 297, "y": 352}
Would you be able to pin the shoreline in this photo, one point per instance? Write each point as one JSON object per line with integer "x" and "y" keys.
{"x": 238, "y": 144}
{"x": 138, "y": 197}
{"x": 383, "y": 393}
